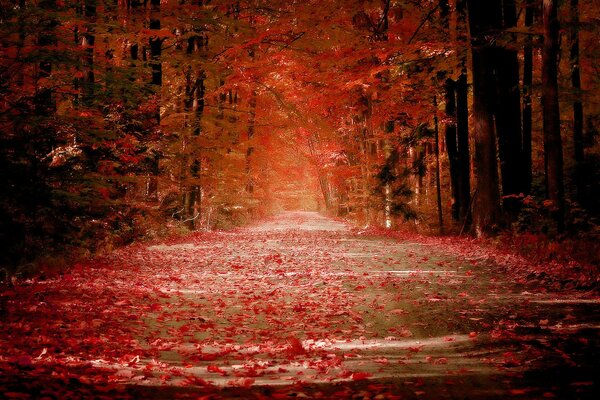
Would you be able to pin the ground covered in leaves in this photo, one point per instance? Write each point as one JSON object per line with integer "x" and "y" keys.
{"x": 298, "y": 306}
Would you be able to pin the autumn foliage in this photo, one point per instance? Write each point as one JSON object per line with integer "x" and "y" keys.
{"x": 128, "y": 120}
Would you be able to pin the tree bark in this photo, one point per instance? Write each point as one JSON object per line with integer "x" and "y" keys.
{"x": 250, "y": 150}
{"x": 508, "y": 111}
{"x": 552, "y": 138}
{"x": 486, "y": 207}
{"x": 462, "y": 120}
{"x": 44, "y": 102}
{"x": 527, "y": 88}
{"x": 464, "y": 153}
{"x": 438, "y": 182}
{"x": 155, "y": 44}
{"x": 578, "y": 152}
{"x": 88, "y": 45}
{"x": 452, "y": 146}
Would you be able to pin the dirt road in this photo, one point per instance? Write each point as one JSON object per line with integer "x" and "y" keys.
{"x": 298, "y": 306}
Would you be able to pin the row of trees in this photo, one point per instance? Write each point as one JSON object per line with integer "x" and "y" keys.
{"x": 459, "y": 87}
{"x": 121, "y": 117}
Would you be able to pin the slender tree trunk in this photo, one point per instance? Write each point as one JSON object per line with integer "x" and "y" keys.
{"x": 250, "y": 150}
{"x": 578, "y": 153}
{"x": 452, "y": 146}
{"x": 88, "y": 42}
{"x": 194, "y": 103}
{"x": 438, "y": 182}
{"x": 462, "y": 119}
{"x": 155, "y": 44}
{"x": 44, "y": 102}
{"x": 194, "y": 191}
{"x": 527, "y": 88}
{"x": 450, "y": 129}
{"x": 552, "y": 138}
{"x": 464, "y": 153}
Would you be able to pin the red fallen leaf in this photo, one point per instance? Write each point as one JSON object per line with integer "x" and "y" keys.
{"x": 357, "y": 376}
{"x": 16, "y": 395}
{"x": 295, "y": 347}
{"x": 360, "y": 287}
{"x": 216, "y": 369}
{"x": 241, "y": 382}
{"x": 24, "y": 361}
{"x": 196, "y": 381}
{"x": 518, "y": 392}
{"x": 345, "y": 374}
{"x": 299, "y": 308}
{"x": 473, "y": 335}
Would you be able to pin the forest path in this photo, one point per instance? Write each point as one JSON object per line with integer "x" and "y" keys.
{"x": 300, "y": 305}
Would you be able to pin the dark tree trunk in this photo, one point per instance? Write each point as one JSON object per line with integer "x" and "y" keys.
{"x": 508, "y": 112}
{"x": 508, "y": 121}
{"x": 194, "y": 103}
{"x": 452, "y": 147}
{"x": 578, "y": 153}
{"x": 250, "y": 150}
{"x": 552, "y": 139}
{"x": 486, "y": 212}
{"x": 527, "y": 88}
{"x": 438, "y": 182}
{"x": 155, "y": 44}
{"x": 88, "y": 44}
{"x": 462, "y": 120}
{"x": 450, "y": 130}
{"x": 464, "y": 157}
{"x": 44, "y": 102}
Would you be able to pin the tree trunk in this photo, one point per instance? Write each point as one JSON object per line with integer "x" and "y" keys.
{"x": 486, "y": 208}
{"x": 552, "y": 139}
{"x": 578, "y": 153}
{"x": 452, "y": 147}
{"x": 508, "y": 112}
{"x": 155, "y": 44}
{"x": 438, "y": 182}
{"x": 44, "y": 102}
{"x": 508, "y": 122}
{"x": 194, "y": 110}
{"x": 464, "y": 156}
{"x": 527, "y": 88}
{"x": 88, "y": 45}
{"x": 250, "y": 150}
{"x": 462, "y": 120}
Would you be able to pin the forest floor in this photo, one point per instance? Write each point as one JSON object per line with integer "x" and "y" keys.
{"x": 297, "y": 306}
